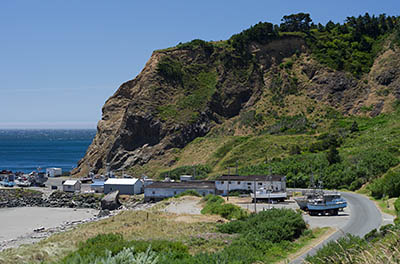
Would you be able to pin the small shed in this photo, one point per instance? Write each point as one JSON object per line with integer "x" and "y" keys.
{"x": 53, "y": 172}
{"x": 124, "y": 186}
{"x": 72, "y": 186}
{"x": 97, "y": 186}
{"x": 185, "y": 178}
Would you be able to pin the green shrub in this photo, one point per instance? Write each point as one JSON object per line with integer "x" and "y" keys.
{"x": 388, "y": 185}
{"x": 104, "y": 245}
{"x": 216, "y": 205}
{"x": 170, "y": 69}
{"x": 272, "y": 225}
{"x": 397, "y": 206}
{"x": 188, "y": 193}
{"x": 198, "y": 44}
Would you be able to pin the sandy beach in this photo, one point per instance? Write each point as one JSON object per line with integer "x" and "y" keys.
{"x": 18, "y": 224}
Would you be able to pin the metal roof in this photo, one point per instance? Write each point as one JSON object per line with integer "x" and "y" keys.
{"x": 183, "y": 185}
{"x": 120, "y": 181}
{"x": 273, "y": 177}
{"x": 70, "y": 182}
{"x": 97, "y": 183}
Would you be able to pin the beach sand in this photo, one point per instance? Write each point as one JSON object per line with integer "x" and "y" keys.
{"x": 18, "y": 223}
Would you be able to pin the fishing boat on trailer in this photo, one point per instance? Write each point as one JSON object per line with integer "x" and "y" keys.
{"x": 267, "y": 195}
{"x": 329, "y": 203}
{"x": 309, "y": 195}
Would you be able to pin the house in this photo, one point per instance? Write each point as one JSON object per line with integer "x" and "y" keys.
{"x": 97, "y": 186}
{"x": 71, "y": 186}
{"x": 160, "y": 190}
{"x": 227, "y": 183}
{"x": 53, "y": 172}
{"x": 124, "y": 186}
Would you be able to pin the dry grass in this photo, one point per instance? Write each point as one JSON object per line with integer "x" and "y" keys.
{"x": 146, "y": 225}
{"x": 385, "y": 251}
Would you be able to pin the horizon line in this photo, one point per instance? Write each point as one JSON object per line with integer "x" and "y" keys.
{"x": 48, "y": 125}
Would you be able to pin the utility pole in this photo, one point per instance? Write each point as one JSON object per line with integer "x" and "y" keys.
{"x": 255, "y": 197}
{"x": 270, "y": 190}
{"x": 227, "y": 197}
{"x": 237, "y": 167}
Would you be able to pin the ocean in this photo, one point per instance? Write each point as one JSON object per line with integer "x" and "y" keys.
{"x": 26, "y": 150}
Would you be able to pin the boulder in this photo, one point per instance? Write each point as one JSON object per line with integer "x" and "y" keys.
{"x": 103, "y": 213}
{"x": 110, "y": 201}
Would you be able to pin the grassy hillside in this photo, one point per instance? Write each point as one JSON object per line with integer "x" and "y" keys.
{"x": 366, "y": 149}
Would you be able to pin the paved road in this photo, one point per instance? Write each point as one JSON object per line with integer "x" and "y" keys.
{"x": 364, "y": 216}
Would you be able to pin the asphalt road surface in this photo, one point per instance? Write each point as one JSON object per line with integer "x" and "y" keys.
{"x": 364, "y": 216}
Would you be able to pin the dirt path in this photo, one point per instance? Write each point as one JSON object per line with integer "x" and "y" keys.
{"x": 184, "y": 205}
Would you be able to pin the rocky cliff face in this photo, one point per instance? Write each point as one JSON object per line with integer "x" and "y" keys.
{"x": 183, "y": 92}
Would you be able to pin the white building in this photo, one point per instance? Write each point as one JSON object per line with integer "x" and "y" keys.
{"x": 228, "y": 183}
{"x": 161, "y": 190}
{"x": 124, "y": 186}
{"x": 72, "y": 186}
{"x": 53, "y": 172}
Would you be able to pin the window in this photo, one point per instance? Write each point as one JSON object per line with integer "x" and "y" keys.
{"x": 229, "y": 182}
{"x": 249, "y": 183}
{"x": 203, "y": 193}
{"x": 260, "y": 183}
{"x": 153, "y": 192}
{"x": 174, "y": 192}
{"x": 222, "y": 182}
{"x": 238, "y": 182}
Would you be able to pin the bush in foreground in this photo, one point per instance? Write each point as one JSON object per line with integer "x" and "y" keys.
{"x": 216, "y": 205}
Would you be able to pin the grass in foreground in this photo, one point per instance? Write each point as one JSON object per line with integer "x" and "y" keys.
{"x": 173, "y": 241}
{"x": 130, "y": 224}
{"x": 377, "y": 247}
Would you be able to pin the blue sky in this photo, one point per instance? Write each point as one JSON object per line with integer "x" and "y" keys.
{"x": 60, "y": 60}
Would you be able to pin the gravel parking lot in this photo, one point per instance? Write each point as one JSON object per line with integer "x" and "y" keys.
{"x": 338, "y": 221}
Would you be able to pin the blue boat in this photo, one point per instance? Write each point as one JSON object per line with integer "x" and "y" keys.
{"x": 328, "y": 203}
{"x": 7, "y": 183}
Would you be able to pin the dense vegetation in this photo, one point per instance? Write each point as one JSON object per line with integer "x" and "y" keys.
{"x": 272, "y": 225}
{"x": 214, "y": 204}
{"x": 388, "y": 185}
{"x": 376, "y": 247}
{"x": 350, "y": 46}
{"x": 113, "y": 248}
{"x": 259, "y": 237}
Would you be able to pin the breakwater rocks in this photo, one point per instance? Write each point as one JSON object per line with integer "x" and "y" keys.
{"x": 20, "y": 198}
{"x": 26, "y": 197}
{"x": 71, "y": 200}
